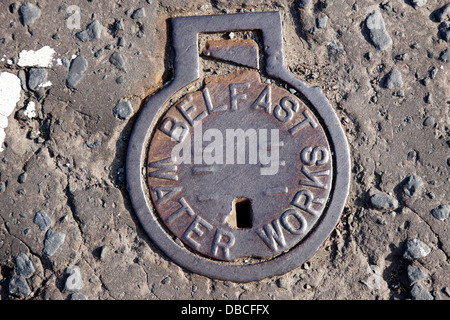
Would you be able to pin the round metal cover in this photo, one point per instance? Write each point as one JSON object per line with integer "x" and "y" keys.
{"x": 239, "y": 180}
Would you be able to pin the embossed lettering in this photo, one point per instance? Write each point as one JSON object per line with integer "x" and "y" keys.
{"x": 220, "y": 243}
{"x": 186, "y": 108}
{"x": 185, "y": 208}
{"x": 286, "y": 221}
{"x": 209, "y": 104}
{"x": 166, "y": 169}
{"x": 164, "y": 193}
{"x": 264, "y": 100}
{"x": 304, "y": 200}
{"x": 194, "y": 228}
{"x": 315, "y": 182}
{"x": 303, "y": 123}
{"x": 272, "y": 235}
{"x": 234, "y": 96}
{"x": 285, "y": 111}
{"x": 314, "y": 156}
{"x": 176, "y": 130}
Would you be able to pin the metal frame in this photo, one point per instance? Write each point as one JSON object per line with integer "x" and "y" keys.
{"x": 186, "y": 65}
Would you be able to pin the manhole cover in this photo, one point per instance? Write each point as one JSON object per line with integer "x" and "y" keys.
{"x": 237, "y": 178}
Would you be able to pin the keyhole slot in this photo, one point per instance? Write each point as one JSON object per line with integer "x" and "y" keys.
{"x": 242, "y": 213}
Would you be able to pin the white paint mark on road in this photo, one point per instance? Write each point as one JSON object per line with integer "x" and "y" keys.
{"x": 9, "y": 96}
{"x": 37, "y": 58}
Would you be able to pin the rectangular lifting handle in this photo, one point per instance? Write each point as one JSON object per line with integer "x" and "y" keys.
{"x": 185, "y": 32}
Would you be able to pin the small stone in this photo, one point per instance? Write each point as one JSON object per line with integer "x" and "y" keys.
{"x": 33, "y": 134}
{"x": 401, "y": 57}
{"x": 138, "y": 13}
{"x": 447, "y": 291}
{"x": 444, "y": 30}
{"x": 53, "y": 240}
{"x": 42, "y": 220}
{"x": 415, "y": 274}
{"x": 118, "y": 60}
{"x": 118, "y": 26}
{"x": 93, "y": 32}
{"x": 24, "y": 267}
{"x": 420, "y": 293}
{"x": 431, "y": 54}
{"x": 425, "y": 81}
{"x": 325, "y": 4}
{"x": 445, "y": 55}
{"x": 36, "y": 78}
{"x": 281, "y": 283}
{"x": 393, "y": 79}
{"x": 411, "y": 185}
{"x": 94, "y": 144}
{"x": 18, "y": 286}
{"x": 412, "y": 155}
{"x": 77, "y": 296}
{"x": 333, "y": 50}
{"x": 433, "y": 72}
{"x": 399, "y": 93}
{"x": 23, "y": 79}
{"x": 12, "y": 7}
{"x": 74, "y": 282}
{"x": 377, "y": 31}
{"x": 123, "y": 110}
{"x": 166, "y": 280}
{"x": 22, "y": 177}
{"x": 78, "y": 67}
{"x": 442, "y": 212}
{"x": 103, "y": 253}
{"x": 121, "y": 42}
{"x": 415, "y": 249}
{"x": 29, "y": 13}
{"x": 304, "y": 3}
{"x": 2, "y": 186}
{"x": 442, "y": 13}
{"x": 98, "y": 53}
{"x": 321, "y": 22}
{"x": 65, "y": 62}
{"x": 429, "y": 121}
{"x": 418, "y": 3}
{"x": 82, "y": 35}
{"x": 120, "y": 79}
{"x": 383, "y": 202}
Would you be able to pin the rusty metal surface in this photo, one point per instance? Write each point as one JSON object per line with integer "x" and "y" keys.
{"x": 210, "y": 189}
{"x": 206, "y": 250}
{"x": 241, "y": 51}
